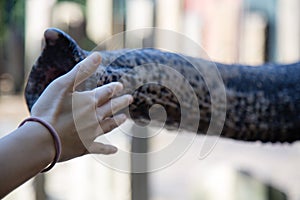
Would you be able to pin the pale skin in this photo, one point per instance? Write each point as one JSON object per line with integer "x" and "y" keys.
{"x": 29, "y": 149}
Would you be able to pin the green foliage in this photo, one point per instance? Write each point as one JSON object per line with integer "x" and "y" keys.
{"x": 12, "y": 14}
{"x": 2, "y": 20}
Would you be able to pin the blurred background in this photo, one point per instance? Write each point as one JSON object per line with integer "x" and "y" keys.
{"x": 231, "y": 31}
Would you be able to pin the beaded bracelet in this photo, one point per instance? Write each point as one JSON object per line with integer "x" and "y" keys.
{"x": 55, "y": 138}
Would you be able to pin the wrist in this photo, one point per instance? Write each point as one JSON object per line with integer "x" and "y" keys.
{"x": 43, "y": 139}
{"x": 54, "y": 135}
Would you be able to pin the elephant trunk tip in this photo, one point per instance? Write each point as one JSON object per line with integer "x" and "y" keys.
{"x": 50, "y": 36}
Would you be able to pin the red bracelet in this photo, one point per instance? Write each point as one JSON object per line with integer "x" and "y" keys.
{"x": 55, "y": 138}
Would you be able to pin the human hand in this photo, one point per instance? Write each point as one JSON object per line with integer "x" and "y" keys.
{"x": 80, "y": 117}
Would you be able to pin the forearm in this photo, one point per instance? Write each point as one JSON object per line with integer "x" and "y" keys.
{"x": 24, "y": 153}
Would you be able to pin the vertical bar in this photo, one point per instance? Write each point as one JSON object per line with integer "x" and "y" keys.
{"x": 37, "y": 19}
{"x": 119, "y": 9}
{"x": 168, "y": 16}
{"x": 139, "y": 17}
{"x": 99, "y": 19}
{"x": 39, "y": 186}
{"x": 139, "y": 181}
{"x": 139, "y": 14}
{"x": 288, "y": 22}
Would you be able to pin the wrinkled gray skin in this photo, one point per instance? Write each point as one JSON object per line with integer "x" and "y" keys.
{"x": 260, "y": 103}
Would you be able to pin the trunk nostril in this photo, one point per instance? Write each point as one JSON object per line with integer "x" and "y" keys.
{"x": 51, "y": 36}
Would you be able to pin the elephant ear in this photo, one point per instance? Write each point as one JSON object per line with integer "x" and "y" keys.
{"x": 59, "y": 55}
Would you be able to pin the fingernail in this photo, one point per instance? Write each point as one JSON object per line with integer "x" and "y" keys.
{"x": 130, "y": 98}
{"x": 96, "y": 58}
{"x": 120, "y": 85}
{"x": 117, "y": 87}
{"x": 114, "y": 149}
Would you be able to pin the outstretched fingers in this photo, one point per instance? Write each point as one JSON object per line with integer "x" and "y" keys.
{"x": 104, "y": 93}
{"x": 81, "y": 71}
{"x": 113, "y": 106}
